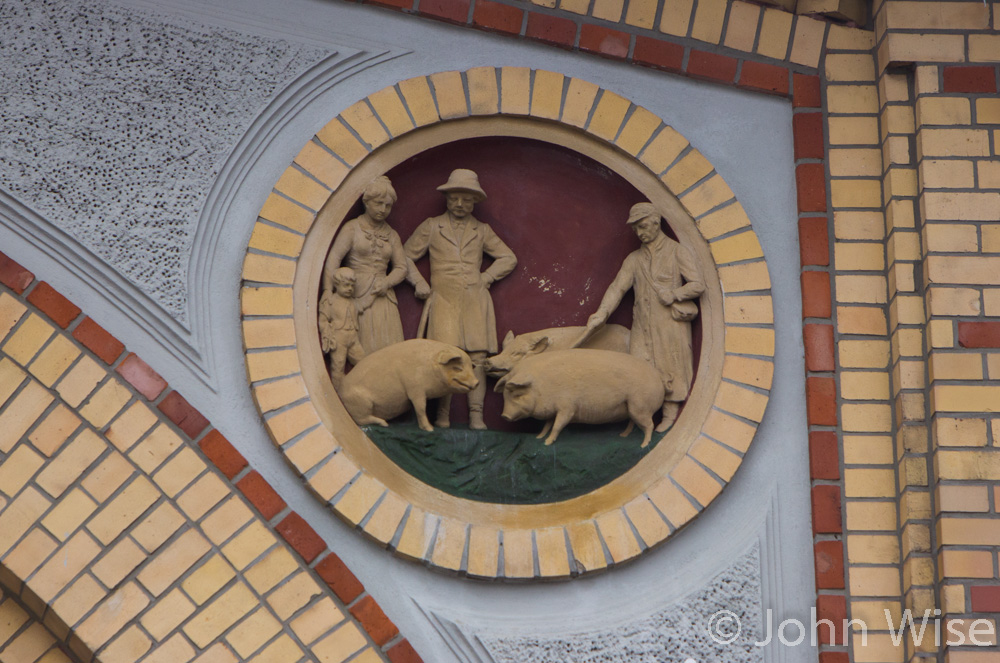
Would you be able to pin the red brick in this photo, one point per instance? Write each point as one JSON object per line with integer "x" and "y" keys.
{"x": 816, "y": 301}
{"x": 826, "y": 512}
{"x": 831, "y": 607}
{"x": 223, "y": 454}
{"x": 339, "y": 578}
{"x": 404, "y": 5}
{"x": 553, "y": 30}
{"x": 379, "y": 627}
{"x": 14, "y": 276}
{"x": 403, "y": 652}
{"x": 182, "y": 413}
{"x": 497, "y": 17}
{"x": 806, "y": 91}
{"x": 824, "y": 455}
{"x": 659, "y": 54}
{"x": 96, "y": 339}
{"x": 810, "y": 181}
{"x": 970, "y": 79}
{"x": 814, "y": 242}
{"x": 834, "y": 657}
{"x": 712, "y": 66}
{"x": 979, "y": 334}
{"x": 829, "y": 561}
{"x": 261, "y": 495}
{"x": 453, "y": 11}
{"x": 807, "y": 131}
{"x": 766, "y": 77}
{"x": 821, "y": 401}
{"x": 301, "y": 537}
{"x": 603, "y": 41}
{"x": 61, "y": 310}
{"x": 985, "y": 598}
{"x": 138, "y": 374}
{"x": 819, "y": 347}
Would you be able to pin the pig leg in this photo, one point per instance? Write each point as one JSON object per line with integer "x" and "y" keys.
{"x": 443, "y": 418}
{"x": 419, "y": 402}
{"x": 545, "y": 430}
{"x": 371, "y": 419}
{"x": 562, "y": 418}
{"x": 628, "y": 429}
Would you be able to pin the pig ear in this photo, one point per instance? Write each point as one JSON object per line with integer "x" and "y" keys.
{"x": 498, "y": 387}
{"x": 519, "y": 383}
{"x": 540, "y": 345}
{"x": 450, "y": 356}
{"x": 507, "y": 339}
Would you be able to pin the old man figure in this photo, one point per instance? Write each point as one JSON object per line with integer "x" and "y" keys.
{"x": 666, "y": 281}
{"x": 459, "y": 309}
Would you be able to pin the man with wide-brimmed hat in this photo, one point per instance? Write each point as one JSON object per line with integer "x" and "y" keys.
{"x": 666, "y": 282}
{"x": 459, "y": 309}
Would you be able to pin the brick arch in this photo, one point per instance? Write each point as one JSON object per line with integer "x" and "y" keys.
{"x": 282, "y": 363}
{"x": 25, "y": 637}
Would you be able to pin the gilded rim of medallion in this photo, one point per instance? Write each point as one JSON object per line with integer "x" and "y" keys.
{"x": 608, "y": 526}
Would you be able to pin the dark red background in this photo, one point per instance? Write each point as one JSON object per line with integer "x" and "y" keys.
{"x": 562, "y": 213}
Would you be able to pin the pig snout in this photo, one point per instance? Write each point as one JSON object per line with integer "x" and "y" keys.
{"x": 464, "y": 381}
{"x": 497, "y": 366}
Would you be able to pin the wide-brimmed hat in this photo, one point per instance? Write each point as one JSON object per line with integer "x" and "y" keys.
{"x": 463, "y": 179}
{"x": 641, "y": 211}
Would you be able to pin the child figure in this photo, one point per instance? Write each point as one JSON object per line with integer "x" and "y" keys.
{"x": 338, "y": 324}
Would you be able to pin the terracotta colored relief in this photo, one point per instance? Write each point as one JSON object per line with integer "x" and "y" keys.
{"x": 607, "y": 267}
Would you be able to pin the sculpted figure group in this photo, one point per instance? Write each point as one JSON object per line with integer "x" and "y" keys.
{"x": 561, "y": 375}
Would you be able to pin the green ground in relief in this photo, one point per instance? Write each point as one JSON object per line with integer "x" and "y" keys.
{"x": 512, "y": 468}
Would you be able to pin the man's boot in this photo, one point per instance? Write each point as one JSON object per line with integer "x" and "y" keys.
{"x": 478, "y": 395}
{"x": 443, "y": 419}
{"x": 670, "y": 410}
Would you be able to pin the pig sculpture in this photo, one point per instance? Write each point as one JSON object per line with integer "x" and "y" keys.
{"x": 386, "y": 382}
{"x": 585, "y": 386}
{"x": 516, "y": 348}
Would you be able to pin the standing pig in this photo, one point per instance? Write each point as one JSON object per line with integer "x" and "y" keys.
{"x": 516, "y": 348}
{"x": 585, "y": 386}
{"x": 384, "y": 384}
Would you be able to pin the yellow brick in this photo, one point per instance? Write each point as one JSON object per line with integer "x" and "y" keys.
{"x": 941, "y": 174}
{"x": 282, "y": 211}
{"x": 724, "y": 220}
{"x": 449, "y": 545}
{"x": 941, "y": 334}
{"x": 775, "y": 30}
{"x": 105, "y": 403}
{"x": 650, "y": 525}
{"x": 64, "y": 566}
{"x": 860, "y": 482}
{"x": 266, "y": 301}
{"x": 708, "y": 19}
{"x": 334, "y": 475}
{"x": 484, "y": 97}
{"x": 11, "y": 310}
{"x": 855, "y": 162}
{"x": 266, "y": 365}
{"x": 302, "y": 189}
{"x": 156, "y": 448}
{"x": 618, "y": 536}
{"x": 580, "y": 96}
{"x": 716, "y": 458}
{"x": 866, "y": 418}
{"x": 226, "y": 520}
{"x": 609, "y": 115}
{"x": 316, "y": 620}
{"x": 389, "y": 109}
{"x": 879, "y": 516}
{"x": 637, "y": 130}
{"x": 484, "y": 552}
{"x": 360, "y": 117}
{"x": 218, "y": 653}
{"x": 750, "y": 341}
{"x": 863, "y": 354}
{"x": 948, "y": 205}
{"x": 78, "y": 599}
{"x": 988, "y": 111}
{"x": 742, "y": 402}
{"x": 958, "y": 398}
{"x": 807, "y": 42}
{"x": 105, "y": 479}
{"x": 872, "y": 549}
{"x": 173, "y": 561}
{"x": 663, "y": 150}
{"x": 943, "y": 110}
{"x": 129, "y": 646}
{"x": 608, "y": 10}
{"x": 857, "y": 256}
{"x": 695, "y": 481}
{"x": 417, "y": 94}
{"x": 864, "y": 386}
{"x": 675, "y": 18}
{"x": 121, "y": 512}
{"x": 993, "y": 365}
{"x": 968, "y": 531}
{"x": 858, "y": 225}
{"x": 903, "y": 48}
{"x": 268, "y": 269}
{"x": 267, "y": 333}
{"x": 861, "y": 289}
{"x": 642, "y": 13}
{"x": 553, "y": 560}
{"x": 954, "y": 301}
{"x": 953, "y": 143}
{"x": 989, "y": 174}
{"x": 706, "y": 196}
{"x": 158, "y": 527}
{"x": 967, "y": 465}
{"x": 856, "y": 193}
{"x": 936, "y": 16}
{"x": 22, "y": 561}
{"x": 691, "y": 168}
{"x": 251, "y": 634}
{"x": 318, "y": 162}
{"x": 342, "y": 142}
{"x": 450, "y": 94}
{"x": 340, "y": 645}
{"x": 79, "y": 382}
{"x": 518, "y": 554}
{"x": 874, "y": 581}
{"x": 53, "y": 361}
{"x": 868, "y": 450}
{"x": 360, "y": 498}
{"x": 209, "y": 578}
{"x": 248, "y": 545}
{"x": 222, "y": 613}
{"x": 575, "y": 6}
{"x": 277, "y": 394}
{"x": 586, "y": 546}
{"x": 853, "y": 130}
{"x": 28, "y": 339}
{"x": 69, "y": 514}
{"x": 271, "y": 570}
{"x": 29, "y": 645}
{"x": 21, "y": 413}
{"x": 174, "y": 650}
{"x": 275, "y": 240}
{"x": 54, "y": 429}
{"x": 293, "y": 595}
{"x": 179, "y": 472}
{"x": 384, "y": 523}
{"x": 546, "y": 94}
{"x": 853, "y": 67}
{"x": 954, "y": 366}
{"x": 963, "y": 498}
{"x": 984, "y": 48}
{"x": 308, "y": 451}
{"x": 844, "y": 38}
{"x": 749, "y": 309}
{"x": 960, "y": 269}
{"x": 742, "y": 27}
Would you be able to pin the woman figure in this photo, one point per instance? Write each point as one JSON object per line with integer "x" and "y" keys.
{"x": 368, "y": 246}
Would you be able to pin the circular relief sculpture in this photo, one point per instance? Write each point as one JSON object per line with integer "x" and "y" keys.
{"x": 507, "y": 323}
